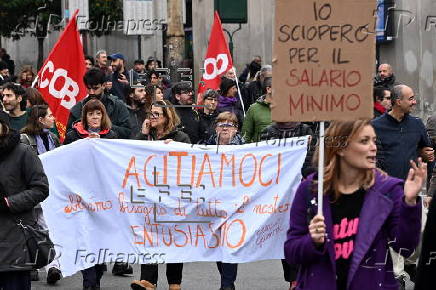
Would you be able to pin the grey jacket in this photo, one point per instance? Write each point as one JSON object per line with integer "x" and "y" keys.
{"x": 31, "y": 140}
{"x": 24, "y": 184}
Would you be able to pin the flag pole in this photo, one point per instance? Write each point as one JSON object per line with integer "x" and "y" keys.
{"x": 34, "y": 81}
{"x": 321, "y": 168}
{"x": 239, "y": 91}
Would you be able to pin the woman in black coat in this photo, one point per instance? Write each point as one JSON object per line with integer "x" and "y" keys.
{"x": 95, "y": 123}
{"x": 37, "y": 135}
{"x": 161, "y": 125}
{"x": 23, "y": 184}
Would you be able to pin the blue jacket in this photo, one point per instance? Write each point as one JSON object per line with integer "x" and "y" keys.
{"x": 398, "y": 143}
{"x": 385, "y": 220}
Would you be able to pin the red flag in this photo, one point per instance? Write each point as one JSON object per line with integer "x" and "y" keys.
{"x": 218, "y": 59}
{"x": 60, "y": 80}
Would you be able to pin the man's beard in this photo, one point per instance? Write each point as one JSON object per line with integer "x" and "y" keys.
{"x": 140, "y": 102}
{"x": 117, "y": 68}
{"x": 94, "y": 96}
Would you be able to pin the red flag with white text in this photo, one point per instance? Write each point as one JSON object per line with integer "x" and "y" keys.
{"x": 218, "y": 59}
{"x": 60, "y": 80}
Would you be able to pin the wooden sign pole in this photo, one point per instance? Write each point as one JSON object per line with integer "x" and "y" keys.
{"x": 321, "y": 167}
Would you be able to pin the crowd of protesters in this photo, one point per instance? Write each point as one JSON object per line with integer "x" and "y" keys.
{"x": 370, "y": 181}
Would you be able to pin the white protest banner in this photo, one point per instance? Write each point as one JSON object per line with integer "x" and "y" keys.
{"x": 150, "y": 202}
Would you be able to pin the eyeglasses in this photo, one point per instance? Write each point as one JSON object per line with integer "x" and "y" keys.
{"x": 155, "y": 115}
{"x": 185, "y": 92}
{"x": 225, "y": 125}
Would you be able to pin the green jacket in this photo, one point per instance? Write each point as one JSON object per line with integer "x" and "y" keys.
{"x": 258, "y": 117}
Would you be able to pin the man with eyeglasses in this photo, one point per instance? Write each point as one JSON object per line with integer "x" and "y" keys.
{"x": 189, "y": 118}
{"x": 116, "y": 109}
{"x": 401, "y": 138}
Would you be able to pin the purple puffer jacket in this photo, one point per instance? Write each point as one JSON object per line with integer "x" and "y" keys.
{"x": 385, "y": 220}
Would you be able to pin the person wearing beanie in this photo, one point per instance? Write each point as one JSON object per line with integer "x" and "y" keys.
{"x": 228, "y": 101}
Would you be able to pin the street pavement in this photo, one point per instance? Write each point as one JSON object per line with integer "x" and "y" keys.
{"x": 196, "y": 276}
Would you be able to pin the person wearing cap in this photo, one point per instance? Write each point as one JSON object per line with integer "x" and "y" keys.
{"x": 120, "y": 78}
{"x": 23, "y": 184}
{"x": 139, "y": 66}
{"x": 190, "y": 120}
{"x": 208, "y": 114}
{"x": 229, "y": 101}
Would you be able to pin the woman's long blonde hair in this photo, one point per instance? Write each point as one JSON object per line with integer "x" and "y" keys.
{"x": 337, "y": 138}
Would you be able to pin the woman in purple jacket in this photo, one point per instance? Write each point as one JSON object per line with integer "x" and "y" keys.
{"x": 364, "y": 213}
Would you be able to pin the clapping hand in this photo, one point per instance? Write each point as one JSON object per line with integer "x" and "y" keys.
{"x": 415, "y": 179}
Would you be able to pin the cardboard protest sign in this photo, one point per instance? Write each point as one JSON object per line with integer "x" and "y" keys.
{"x": 148, "y": 202}
{"x": 323, "y": 59}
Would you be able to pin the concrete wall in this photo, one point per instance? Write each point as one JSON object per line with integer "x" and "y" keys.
{"x": 413, "y": 52}
{"x": 255, "y": 37}
{"x": 25, "y": 50}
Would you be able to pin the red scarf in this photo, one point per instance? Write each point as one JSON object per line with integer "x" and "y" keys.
{"x": 379, "y": 108}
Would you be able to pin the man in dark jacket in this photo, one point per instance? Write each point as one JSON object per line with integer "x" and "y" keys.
{"x": 116, "y": 109}
{"x": 251, "y": 69}
{"x": 253, "y": 90}
{"x": 23, "y": 184}
{"x": 208, "y": 115}
{"x": 190, "y": 120}
{"x": 120, "y": 77}
{"x": 385, "y": 77}
{"x": 400, "y": 136}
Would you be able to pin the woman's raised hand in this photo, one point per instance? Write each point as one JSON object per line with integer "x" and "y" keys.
{"x": 415, "y": 179}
